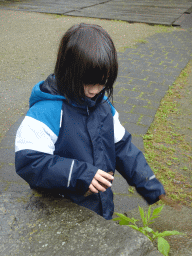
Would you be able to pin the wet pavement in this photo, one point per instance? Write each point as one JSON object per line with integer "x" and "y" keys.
{"x": 164, "y": 12}
{"x": 145, "y": 73}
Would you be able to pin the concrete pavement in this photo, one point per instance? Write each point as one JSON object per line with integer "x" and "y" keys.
{"x": 145, "y": 74}
{"x": 164, "y": 12}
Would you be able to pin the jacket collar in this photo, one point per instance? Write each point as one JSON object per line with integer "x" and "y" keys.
{"x": 49, "y": 86}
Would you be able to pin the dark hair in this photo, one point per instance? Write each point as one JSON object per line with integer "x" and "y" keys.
{"x": 86, "y": 55}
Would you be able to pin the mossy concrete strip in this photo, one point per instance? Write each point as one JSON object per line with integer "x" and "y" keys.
{"x": 36, "y": 224}
{"x": 168, "y": 143}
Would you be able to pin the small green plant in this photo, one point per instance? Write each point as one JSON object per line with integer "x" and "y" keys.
{"x": 142, "y": 41}
{"x": 131, "y": 189}
{"x": 163, "y": 245}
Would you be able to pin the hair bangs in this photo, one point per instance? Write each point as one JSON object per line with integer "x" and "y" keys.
{"x": 86, "y": 56}
{"x": 95, "y": 75}
{"x": 97, "y": 60}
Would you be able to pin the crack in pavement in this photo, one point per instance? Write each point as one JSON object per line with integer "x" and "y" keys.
{"x": 81, "y": 8}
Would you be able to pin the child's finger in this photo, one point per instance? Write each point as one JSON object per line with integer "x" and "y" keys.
{"x": 102, "y": 180}
{"x": 111, "y": 173}
{"x": 105, "y": 175}
{"x": 93, "y": 189}
{"x": 97, "y": 185}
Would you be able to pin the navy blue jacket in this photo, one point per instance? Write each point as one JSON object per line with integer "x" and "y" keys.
{"x": 60, "y": 145}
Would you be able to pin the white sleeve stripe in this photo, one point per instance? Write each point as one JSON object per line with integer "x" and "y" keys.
{"x": 152, "y": 177}
{"x": 35, "y": 135}
{"x": 70, "y": 172}
{"x": 119, "y": 130}
{"x": 61, "y": 118}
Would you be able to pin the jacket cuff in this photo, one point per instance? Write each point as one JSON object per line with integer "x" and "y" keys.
{"x": 85, "y": 179}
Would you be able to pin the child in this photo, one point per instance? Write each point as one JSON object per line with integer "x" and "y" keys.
{"x": 71, "y": 140}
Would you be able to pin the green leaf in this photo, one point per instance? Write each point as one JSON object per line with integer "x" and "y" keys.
{"x": 154, "y": 217}
{"x": 133, "y": 220}
{"x": 163, "y": 246}
{"x": 142, "y": 215}
{"x": 157, "y": 210}
{"x": 170, "y": 233}
{"x": 123, "y": 222}
{"x": 155, "y": 234}
{"x": 122, "y": 216}
{"x": 150, "y": 238}
{"x": 149, "y": 212}
{"x": 134, "y": 227}
{"x": 142, "y": 230}
{"x": 150, "y": 230}
{"x": 116, "y": 219}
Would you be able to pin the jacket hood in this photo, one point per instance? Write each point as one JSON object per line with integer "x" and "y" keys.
{"x": 47, "y": 90}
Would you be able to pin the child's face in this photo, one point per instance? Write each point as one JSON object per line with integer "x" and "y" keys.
{"x": 92, "y": 89}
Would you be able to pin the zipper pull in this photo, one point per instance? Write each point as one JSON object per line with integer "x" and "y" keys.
{"x": 87, "y": 110}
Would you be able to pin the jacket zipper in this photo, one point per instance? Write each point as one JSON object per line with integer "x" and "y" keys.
{"x": 87, "y": 110}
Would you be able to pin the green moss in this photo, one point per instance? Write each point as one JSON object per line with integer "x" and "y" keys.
{"x": 166, "y": 150}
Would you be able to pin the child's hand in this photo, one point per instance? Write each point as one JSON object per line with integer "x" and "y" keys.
{"x": 100, "y": 182}
{"x": 169, "y": 202}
